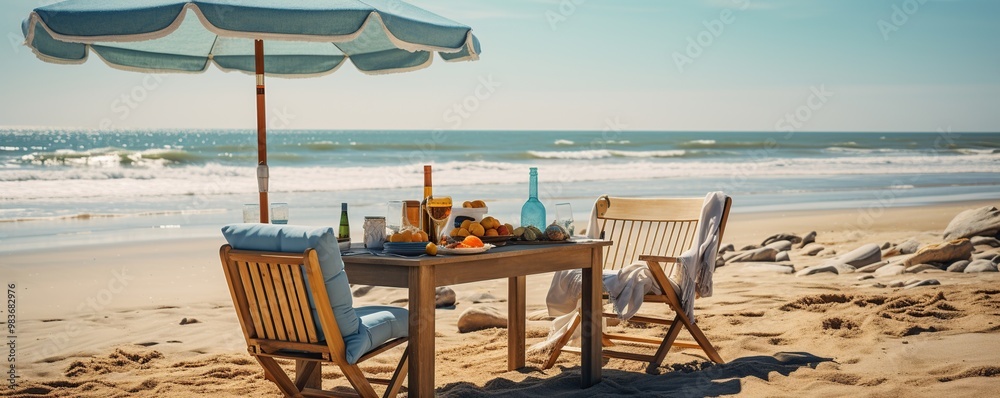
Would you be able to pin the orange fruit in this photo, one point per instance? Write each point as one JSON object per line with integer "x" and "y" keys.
{"x": 420, "y": 236}
{"x": 472, "y": 241}
{"x": 406, "y": 236}
{"x": 396, "y": 238}
{"x": 431, "y": 249}
{"x": 462, "y": 232}
{"x": 478, "y": 204}
{"x": 467, "y": 204}
{"x": 492, "y": 232}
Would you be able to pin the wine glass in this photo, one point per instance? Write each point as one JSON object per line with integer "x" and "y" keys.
{"x": 564, "y": 216}
{"x": 439, "y": 209}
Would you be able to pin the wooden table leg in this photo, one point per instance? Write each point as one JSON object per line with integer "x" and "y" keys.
{"x": 421, "y": 326}
{"x": 515, "y": 321}
{"x": 590, "y": 347}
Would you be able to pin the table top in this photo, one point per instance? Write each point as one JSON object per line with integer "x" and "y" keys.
{"x": 509, "y": 250}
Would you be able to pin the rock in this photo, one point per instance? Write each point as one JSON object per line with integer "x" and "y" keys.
{"x": 782, "y": 256}
{"x": 817, "y": 269}
{"x": 958, "y": 266}
{"x": 984, "y": 221}
{"x": 780, "y": 245}
{"x": 878, "y": 285}
{"x": 789, "y": 237}
{"x": 809, "y": 238}
{"x": 479, "y": 318}
{"x": 986, "y": 241}
{"x": 921, "y": 267}
{"x": 727, "y": 248}
{"x": 768, "y": 267}
{"x": 828, "y": 252}
{"x": 990, "y": 255}
{"x": 862, "y": 256}
{"x": 892, "y": 252}
{"x": 885, "y": 245}
{"x": 897, "y": 284}
{"x": 444, "y": 297}
{"x": 865, "y": 277}
{"x": 482, "y": 297}
{"x": 891, "y": 269}
{"x": 720, "y": 262}
{"x": 872, "y": 267}
{"x": 945, "y": 252}
{"x": 540, "y": 315}
{"x": 908, "y": 247}
{"x": 928, "y": 282}
{"x": 845, "y": 268}
{"x": 749, "y": 247}
{"x": 980, "y": 266}
{"x": 762, "y": 254}
{"x": 188, "y": 321}
{"x": 813, "y": 249}
{"x": 730, "y": 255}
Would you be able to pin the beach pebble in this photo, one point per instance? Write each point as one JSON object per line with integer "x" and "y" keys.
{"x": 479, "y": 318}
{"x": 878, "y": 285}
{"x": 762, "y": 254}
{"x": 188, "y": 321}
{"x": 813, "y": 249}
{"x": 817, "y": 270}
{"x": 789, "y": 237}
{"x": 921, "y": 267}
{"x": 897, "y": 284}
{"x": 958, "y": 266}
{"x": 768, "y": 267}
{"x": 892, "y": 269}
{"x": 944, "y": 252}
{"x": 540, "y": 315}
{"x": 720, "y": 262}
{"x": 872, "y": 267}
{"x": 927, "y": 282}
{"x": 809, "y": 238}
{"x": 749, "y": 247}
{"x": 482, "y": 297}
{"x": 444, "y": 297}
{"x": 885, "y": 245}
{"x": 862, "y": 256}
{"x": 782, "y": 256}
{"x": 984, "y": 221}
{"x": 780, "y": 245}
{"x": 908, "y": 247}
{"x": 989, "y": 255}
{"x": 866, "y": 277}
{"x": 980, "y": 266}
{"x": 985, "y": 241}
{"x": 727, "y": 248}
{"x": 730, "y": 255}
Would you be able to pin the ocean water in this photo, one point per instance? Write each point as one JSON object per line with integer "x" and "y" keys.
{"x": 83, "y": 187}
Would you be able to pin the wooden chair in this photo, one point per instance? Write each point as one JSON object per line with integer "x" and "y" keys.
{"x": 269, "y": 294}
{"x": 655, "y": 231}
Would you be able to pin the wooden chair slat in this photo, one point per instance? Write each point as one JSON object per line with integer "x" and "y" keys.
{"x": 284, "y": 308}
{"x": 254, "y": 297}
{"x": 273, "y": 312}
{"x": 300, "y": 305}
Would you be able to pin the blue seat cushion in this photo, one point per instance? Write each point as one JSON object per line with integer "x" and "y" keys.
{"x": 379, "y": 324}
{"x": 296, "y": 239}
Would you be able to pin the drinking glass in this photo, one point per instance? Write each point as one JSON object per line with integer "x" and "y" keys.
{"x": 251, "y": 213}
{"x": 564, "y": 217}
{"x": 395, "y": 215}
{"x": 279, "y": 213}
{"x": 412, "y": 218}
{"x": 439, "y": 209}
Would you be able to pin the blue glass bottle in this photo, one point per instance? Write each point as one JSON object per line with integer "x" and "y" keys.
{"x": 533, "y": 212}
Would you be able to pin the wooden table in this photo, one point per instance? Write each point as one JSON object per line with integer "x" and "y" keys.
{"x": 422, "y": 275}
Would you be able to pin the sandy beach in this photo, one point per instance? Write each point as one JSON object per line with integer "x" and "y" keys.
{"x": 155, "y": 319}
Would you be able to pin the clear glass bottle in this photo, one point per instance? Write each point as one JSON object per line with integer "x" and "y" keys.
{"x": 533, "y": 212}
{"x": 345, "y": 225}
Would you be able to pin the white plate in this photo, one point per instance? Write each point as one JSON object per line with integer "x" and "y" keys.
{"x": 473, "y": 250}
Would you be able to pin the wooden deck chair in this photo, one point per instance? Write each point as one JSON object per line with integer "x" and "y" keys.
{"x": 272, "y": 292}
{"x": 655, "y": 231}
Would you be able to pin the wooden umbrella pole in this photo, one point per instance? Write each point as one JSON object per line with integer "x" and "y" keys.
{"x": 262, "y": 171}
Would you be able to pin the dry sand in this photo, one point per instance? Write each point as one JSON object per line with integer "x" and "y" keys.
{"x": 103, "y": 321}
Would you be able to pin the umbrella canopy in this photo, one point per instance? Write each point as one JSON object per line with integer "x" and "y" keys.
{"x": 304, "y": 38}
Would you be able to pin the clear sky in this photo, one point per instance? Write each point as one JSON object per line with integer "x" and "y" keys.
{"x": 730, "y": 65}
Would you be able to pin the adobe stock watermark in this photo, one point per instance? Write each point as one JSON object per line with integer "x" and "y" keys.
{"x": 791, "y": 121}
{"x": 565, "y": 10}
{"x": 900, "y": 16}
{"x": 130, "y": 100}
{"x": 462, "y": 110}
{"x": 714, "y": 29}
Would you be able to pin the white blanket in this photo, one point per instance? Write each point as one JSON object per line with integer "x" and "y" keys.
{"x": 698, "y": 262}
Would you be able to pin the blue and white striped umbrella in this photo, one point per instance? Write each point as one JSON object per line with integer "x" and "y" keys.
{"x": 303, "y": 38}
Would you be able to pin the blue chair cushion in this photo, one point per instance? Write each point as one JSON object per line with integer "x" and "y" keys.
{"x": 296, "y": 239}
{"x": 379, "y": 324}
